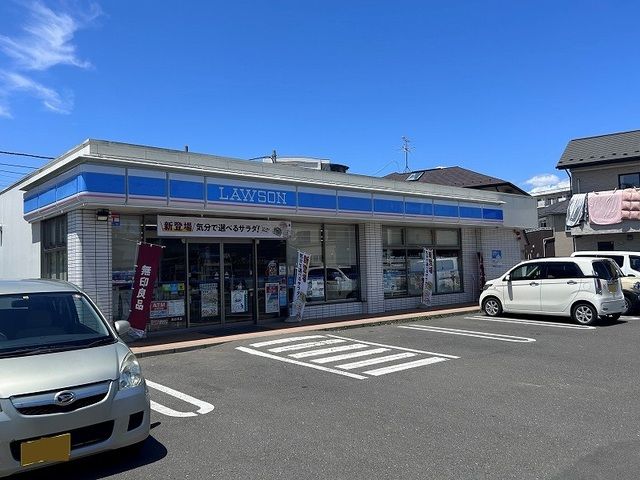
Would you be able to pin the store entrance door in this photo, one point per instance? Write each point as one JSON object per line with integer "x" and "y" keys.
{"x": 204, "y": 283}
{"x": 239, "y": 282}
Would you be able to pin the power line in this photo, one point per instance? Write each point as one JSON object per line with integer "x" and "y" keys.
{"x": 19, "y": 154}
{"x": 11, "y": 171}
{"x": 15, "y": 165}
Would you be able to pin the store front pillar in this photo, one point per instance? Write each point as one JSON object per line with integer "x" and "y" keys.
{"x": 371, "y": 266}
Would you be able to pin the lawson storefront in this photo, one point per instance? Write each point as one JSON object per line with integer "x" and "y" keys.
{"x": 231, "y": 230}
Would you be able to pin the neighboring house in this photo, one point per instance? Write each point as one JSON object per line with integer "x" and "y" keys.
{"x": 604, "y": 163}
{"x": 458, "y": 177}
{"x": 558, "y": 242}
{"x": 549, "y": 197}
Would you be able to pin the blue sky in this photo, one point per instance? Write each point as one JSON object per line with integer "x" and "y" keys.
{"x": 499, "y": 87}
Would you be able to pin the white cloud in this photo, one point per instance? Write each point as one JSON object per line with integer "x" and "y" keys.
{"x": 47, "y": 41}
{"x": 52, "y": 100}
{"x": 546, "y": 181}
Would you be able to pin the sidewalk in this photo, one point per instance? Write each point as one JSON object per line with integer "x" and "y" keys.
{"x": 191, "y": 339}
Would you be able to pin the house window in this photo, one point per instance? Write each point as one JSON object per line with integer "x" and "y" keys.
{"x": 629, "y": 180}
{"x": 54, "y": 248}
{"x": 542, "y": 222}
{"x": 403, "y": 262}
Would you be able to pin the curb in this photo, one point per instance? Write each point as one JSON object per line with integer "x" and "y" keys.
{"x": 190, "y": 345}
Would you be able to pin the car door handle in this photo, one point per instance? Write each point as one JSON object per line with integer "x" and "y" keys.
{"x": 534, "y": 284}
{"x": 572, "y": 282}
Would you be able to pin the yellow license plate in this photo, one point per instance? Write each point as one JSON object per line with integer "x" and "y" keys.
{"x": 613, "y": 288}
{"x": 50, "y": 449}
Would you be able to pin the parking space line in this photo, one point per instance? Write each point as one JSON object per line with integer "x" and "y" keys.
{"x": 346, "y": 356}
{"x": 373, "y": 361}
{"x": 471, "y": 333}
{"x": 285, "y": 340}
{"x": 297, "y": 362}
{"x": 397, "y": 348}
{"x": 325, "y": 351}
{"x": 302, "y": 346}
{"x": 531, "y": 322}
{"x": 405, "y": 366}
{"x": 203, "y": 407}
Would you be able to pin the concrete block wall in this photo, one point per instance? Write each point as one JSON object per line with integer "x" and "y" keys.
{"x": 621, "y": 241}
{"x": 89, "y": 256}
{"x": 505, "y": 240}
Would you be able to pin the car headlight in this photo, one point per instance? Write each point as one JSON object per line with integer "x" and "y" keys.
{"x": 130, "y": 373}
{"x": 486, "y": 286}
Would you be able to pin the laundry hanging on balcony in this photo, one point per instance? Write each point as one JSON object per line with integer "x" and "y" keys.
{"x": 576, "y": 210}
{"x": 605, "y": 208}
{"x": 630, "y": 204}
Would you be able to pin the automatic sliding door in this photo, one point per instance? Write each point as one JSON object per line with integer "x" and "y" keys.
{"x": 239, "y": 282}
{"x": 204, "y": 283}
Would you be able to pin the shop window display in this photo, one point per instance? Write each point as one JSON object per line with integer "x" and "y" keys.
{"x": 403, "y": 263}
{"x": 125, "y": 236}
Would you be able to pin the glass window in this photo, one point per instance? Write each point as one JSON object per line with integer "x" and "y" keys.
{"x": 415, "y": 271}
{"x": 629, "y": 180}
{"x": 54, "y": 248}
{"x": 393, "y": 236}
{"x": 124, "y": 243}
{"x": 447, "y": 237}
{"x": 333, "y": 270}
{"x": 419, "y": 236}
{"x": 563, "y": 270}
{"x": 605, "y": 270}
{"x": 448, "y": 271}
{"x": 168, "y": 305}
{"x": 394, "y": 268}
{"x": 635, "y": 262}
{"x": 530, "y": 271}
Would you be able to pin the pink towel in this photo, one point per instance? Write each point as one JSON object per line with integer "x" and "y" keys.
{"x": 605, "y": 208}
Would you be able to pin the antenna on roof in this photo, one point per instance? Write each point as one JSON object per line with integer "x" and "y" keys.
{"x": 406, "y": 150}
{"x": 273, "y": 157}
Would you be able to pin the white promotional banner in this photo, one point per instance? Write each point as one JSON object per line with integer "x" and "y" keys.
{"x": 178, "y": 226}
{"x": 300, "y": 287}
{"x": 427, "y": 278}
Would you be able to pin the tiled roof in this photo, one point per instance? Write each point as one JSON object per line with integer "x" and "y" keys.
{"x": 611, "y": 148}
{"x": 456, "y": 177}
{"x": 558, "y": 208}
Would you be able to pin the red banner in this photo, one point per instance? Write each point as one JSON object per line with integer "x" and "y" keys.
{"x": 143, "y": 283}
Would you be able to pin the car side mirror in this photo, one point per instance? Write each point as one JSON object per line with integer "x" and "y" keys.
{"x": 507, "y": 278}
{"x": 122, "y": 327}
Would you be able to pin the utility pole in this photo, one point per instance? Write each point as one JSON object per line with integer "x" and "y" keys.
{"x": 406, "y": 150}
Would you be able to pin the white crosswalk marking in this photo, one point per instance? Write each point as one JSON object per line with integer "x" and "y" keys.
{"x": 325, "y": 351}
{"x": 302, "y": 346}
{"x": 285, "y": 340}
{"x": 405, "y": 366}
{"x": 346, "y": 356}
{"x": 373, "y": 361}
{"x": 350, "y": 349}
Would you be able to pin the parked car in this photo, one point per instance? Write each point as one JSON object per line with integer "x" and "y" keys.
{"x": 69, "y": 386}
{"x": 629, "y": 264}
{"x": 584, "y": 289}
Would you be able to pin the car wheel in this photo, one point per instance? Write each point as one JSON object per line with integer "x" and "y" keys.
{"x": 584, "y": 314}
{"x": 492, "y": 307}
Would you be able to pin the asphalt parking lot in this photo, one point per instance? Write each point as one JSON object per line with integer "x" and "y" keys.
{"x": 445, "y": 398}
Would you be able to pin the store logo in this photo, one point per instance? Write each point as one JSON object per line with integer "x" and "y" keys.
{"x": 252, "y": 195}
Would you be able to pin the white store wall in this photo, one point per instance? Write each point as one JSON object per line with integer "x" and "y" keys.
{"x": 19, "y": 240}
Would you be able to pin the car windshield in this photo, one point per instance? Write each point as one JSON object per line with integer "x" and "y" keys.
{"x": 49, "y": 322}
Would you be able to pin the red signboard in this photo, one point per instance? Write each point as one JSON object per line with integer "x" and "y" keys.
{"x": 143, "y": 283}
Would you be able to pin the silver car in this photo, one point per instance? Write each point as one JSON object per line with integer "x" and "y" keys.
{"x": 69, "y": 387}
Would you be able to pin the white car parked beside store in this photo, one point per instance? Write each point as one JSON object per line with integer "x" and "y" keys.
{"x": 584, "y": 289}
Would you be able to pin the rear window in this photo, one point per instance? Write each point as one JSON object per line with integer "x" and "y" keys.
{"x": 635, "y": 262}
{"x": 605, "y": 270}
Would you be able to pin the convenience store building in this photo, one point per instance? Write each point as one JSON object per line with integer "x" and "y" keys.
{"x": 231, "y": 230}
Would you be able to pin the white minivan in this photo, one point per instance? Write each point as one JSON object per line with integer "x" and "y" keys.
{"x": 629, "y": 262}
{"x": 584, "y": 289}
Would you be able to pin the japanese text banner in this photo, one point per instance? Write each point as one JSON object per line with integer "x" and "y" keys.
{"x": 176, "y": 226}
{"x": 144, "y": 281}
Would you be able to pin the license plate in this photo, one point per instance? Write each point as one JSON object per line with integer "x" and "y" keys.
{"x": 613, "y": 288}
{"x": 49, "y": 449}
